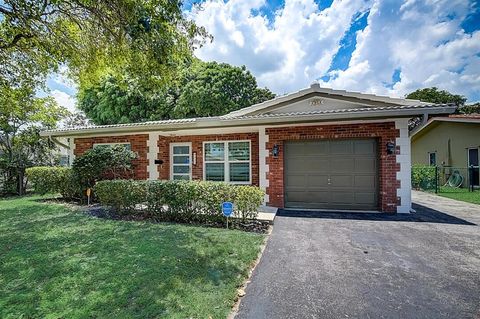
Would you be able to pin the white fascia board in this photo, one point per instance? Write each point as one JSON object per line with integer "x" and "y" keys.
{"x": 217, "y": 122}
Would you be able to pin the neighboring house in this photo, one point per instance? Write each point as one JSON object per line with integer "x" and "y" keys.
{"x": 315, "y": 148}
{"x": 450, "y": 142}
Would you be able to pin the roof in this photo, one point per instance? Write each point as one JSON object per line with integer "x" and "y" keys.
{"x": 354, "y": 106}
{"x": 455, "y": 118}
{"x": 315, "y": 88}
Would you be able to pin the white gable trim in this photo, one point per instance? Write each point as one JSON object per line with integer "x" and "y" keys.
{"x": 315, "y": 88}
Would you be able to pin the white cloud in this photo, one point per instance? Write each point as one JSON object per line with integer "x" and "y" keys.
{"x": 423, "y": 39}
{"x": 285, "y": 54}
{"x": 64, "y": 99}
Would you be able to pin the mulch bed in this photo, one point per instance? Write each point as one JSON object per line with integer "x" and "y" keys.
{"x": 256, "y": 226}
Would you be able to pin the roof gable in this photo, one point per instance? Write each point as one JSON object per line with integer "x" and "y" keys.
{"x": 316, "y": 99}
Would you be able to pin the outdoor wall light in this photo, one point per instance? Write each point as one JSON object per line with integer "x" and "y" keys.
{"x": 275, "y": 150}
{"x": 390, "y": 148}
{"x": 158, "y": 161}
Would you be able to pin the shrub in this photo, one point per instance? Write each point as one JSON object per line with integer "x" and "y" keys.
{"x": 180, "y": 201}
{"x": 48, "y": 179}
{"x": 185, "y": 201}
{"x": 247, "y": 201}
{"x": 122, "y": 195}
{"x": 103, "y": 163}
{"x": 423, "y": 177}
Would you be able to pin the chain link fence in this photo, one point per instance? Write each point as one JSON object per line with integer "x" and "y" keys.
{"x": 445, "y": 178}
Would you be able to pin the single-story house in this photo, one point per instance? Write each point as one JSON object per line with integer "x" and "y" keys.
{"x": 449, "y": 142}
{"x": 316, "y": 148}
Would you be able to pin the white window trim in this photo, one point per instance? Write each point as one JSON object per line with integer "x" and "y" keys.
{"x": 189, "y": 144}
{"x": 226, "y": 161}
{"x": 112, "y": 144}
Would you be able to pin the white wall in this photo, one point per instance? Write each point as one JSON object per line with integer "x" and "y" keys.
{"x": 404, "y": 175}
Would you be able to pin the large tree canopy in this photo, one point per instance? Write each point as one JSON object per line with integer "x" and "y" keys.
{"x": 434, "y": 95}
{"x": 209, "y": 89}
{"x": 202, "y": 89}
{"x": 145, "y": 38}
{"x": 22, "y": 116}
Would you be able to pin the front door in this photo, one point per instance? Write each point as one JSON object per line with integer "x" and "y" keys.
{"x": 180, "y": 161}
{"x": 473, "y": 161}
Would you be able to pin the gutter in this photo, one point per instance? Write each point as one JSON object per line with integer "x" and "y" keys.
{"x": 216, "y": 122}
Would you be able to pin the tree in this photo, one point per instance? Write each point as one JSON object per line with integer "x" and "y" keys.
{"x": 77, "y": 119}
{"x": 202, "y": 89}
{"x": 469, "y": 109}
{"x": 433, "y": 95}
{"x": 22, "y": 117}
{"x": 211, "y": 88}
{"x": 116, "y": 101}
{"x": 147, "y": 39}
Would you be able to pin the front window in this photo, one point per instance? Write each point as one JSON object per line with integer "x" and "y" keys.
{"x": 227, "y": 162}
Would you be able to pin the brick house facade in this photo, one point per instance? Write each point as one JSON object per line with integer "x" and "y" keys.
{"x": 314, "y": 115}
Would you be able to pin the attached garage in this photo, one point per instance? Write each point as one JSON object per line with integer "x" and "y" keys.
{"x": 316, "y": 148}
{"x": 332, "y": 174}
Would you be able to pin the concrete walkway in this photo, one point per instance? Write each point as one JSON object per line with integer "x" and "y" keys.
{"x": 345, "y": 265}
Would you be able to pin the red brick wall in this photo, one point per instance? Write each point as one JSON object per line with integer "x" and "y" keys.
{"x": 137, "y": 142}
{"x": 383, "y": 132}
{"x": 197, "y": 146}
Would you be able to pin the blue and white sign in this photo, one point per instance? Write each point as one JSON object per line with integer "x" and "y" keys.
{"x": 227, "y": 209}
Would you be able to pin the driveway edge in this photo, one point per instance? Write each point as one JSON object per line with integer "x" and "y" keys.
{"x": 243, "y": 287}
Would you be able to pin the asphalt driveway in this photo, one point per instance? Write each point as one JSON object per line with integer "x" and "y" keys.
{"x": 337, "y": 265}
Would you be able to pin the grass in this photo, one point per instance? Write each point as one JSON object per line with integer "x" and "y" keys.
{"x": 59, "y": 263}
{"x": 461, "y": 194}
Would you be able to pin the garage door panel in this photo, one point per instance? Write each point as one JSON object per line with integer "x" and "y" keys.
{"x": 365, "y": 165}
{"x": 331, "y": 174}
{"x": 365, "y": 198}
{"x": 316, "y": 148}
{"x": 341, "y": 147}
{"x": 307, "y": 164}
{"x": 299, "y": 197}
{"x": 317, "y": 180}
{"x": 341, "y": 181}
{"x": 298, "y": 180}
{"x": 364, "y": 147}
{"x": 345, "y": 197}
{"x": 369, "y": 182}
{"x": 343, "y": 165}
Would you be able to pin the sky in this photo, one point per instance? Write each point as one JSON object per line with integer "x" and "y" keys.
{"x": 388, "y": 47}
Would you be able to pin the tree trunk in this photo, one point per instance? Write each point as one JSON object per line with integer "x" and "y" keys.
{"x": 20, "y": 178}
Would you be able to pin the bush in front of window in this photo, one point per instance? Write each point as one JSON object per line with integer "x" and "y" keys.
{"x": 54, "y": 180}
{"x": 179, "y": 201}
{"x": 123, "y": 195}
{"x": 103, "y": 163}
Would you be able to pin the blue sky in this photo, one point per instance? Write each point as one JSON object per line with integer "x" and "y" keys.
{"x": 387, "y": 47}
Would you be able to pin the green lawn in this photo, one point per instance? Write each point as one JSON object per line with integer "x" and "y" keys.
{"x": 59, "y": 263}
{"x": 461, "y": 194}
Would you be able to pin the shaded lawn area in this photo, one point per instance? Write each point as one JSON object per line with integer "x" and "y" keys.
{"x": 461, "y": 194}
{"x": 60, "y": 263}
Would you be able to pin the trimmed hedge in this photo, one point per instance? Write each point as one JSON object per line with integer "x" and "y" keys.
{"x": 54, "y": 180}
{"x": 122, "y": 195}
{"x": 180, "y": 201}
